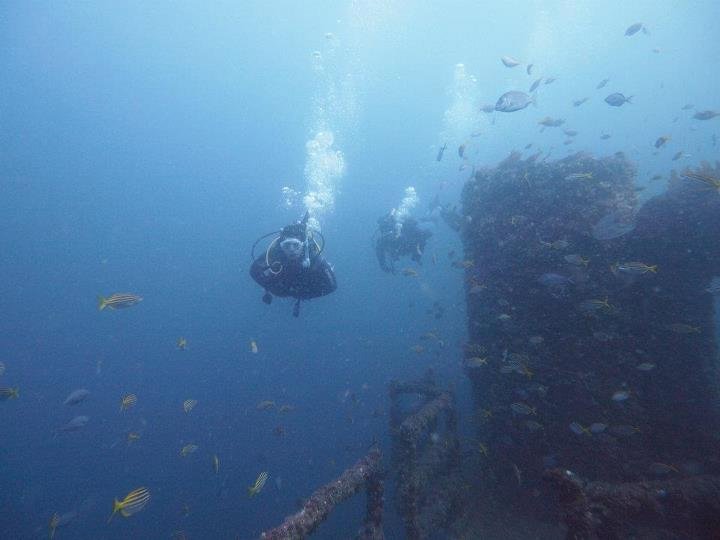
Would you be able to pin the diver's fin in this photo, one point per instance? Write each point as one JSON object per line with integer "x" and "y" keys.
{"x": 296, "y": 308}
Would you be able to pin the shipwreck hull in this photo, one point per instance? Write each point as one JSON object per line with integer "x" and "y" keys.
{"x": 554, "y": 364}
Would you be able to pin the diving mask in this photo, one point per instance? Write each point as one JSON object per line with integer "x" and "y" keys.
{"x": 292, "y": 248}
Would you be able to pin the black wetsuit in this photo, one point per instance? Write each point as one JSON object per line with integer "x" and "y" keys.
{"x": 389, "y": 246}
{"x": 292, "y": 279}
{"x": 288, "y": 277}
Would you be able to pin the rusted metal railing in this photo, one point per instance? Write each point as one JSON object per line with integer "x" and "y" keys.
{"x": 367, "y": 474}
{"x": 426, "y": 455}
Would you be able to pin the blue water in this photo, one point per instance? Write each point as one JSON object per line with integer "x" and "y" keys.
{"x": 143, "y": 148}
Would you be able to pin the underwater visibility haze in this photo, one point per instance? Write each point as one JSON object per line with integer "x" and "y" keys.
{"x": 245, "y": 245}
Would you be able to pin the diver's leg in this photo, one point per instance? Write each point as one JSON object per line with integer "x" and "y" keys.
{"x": 296, "y": 308}
{"x": 267, "y": 297}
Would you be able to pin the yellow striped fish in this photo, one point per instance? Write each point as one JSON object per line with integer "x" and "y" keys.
{"x": 265, "y": 405}
{"x": 132, "y": 503}
{"x": 9, "y": 393}
{"x": 189, "y": 405}
{"x": 258, "y": 485}
{"x": 128, "y": 401}
{"x": 118, "y": 301}
{"x": 635, "y": 268}
{"x": 709, "y": 180}
{"x": 60, "y": 520}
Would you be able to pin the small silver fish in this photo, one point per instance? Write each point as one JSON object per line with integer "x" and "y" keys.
{"x": 579, "y": 429}
{"x": 602, "y": 84}
{"x": 633, "y": 29}
{"x": 523, "y": 408}
{"x": 513, "y": 101}
{"x": 509, "y": 61}
{"x": 551, "y": 122}
{"x": 575, "y": 259}
{"x": 557, "y": 244}
{"x": 77, "y": 397}
{"x": 620, "y": 395}
{"x": 597, "y": 427}
{"x": 552, "y": 280}
{"x": 617, "y": 99}
{"x": 441, "y": 152}
{"x": 679, "y": 155}
{"x": 75, "y": 424}
{"x": 477, "y": 289}
{"x": 661, "y": 141}
{"x": 579, "y": 176}
{"x": 518, "y": 474}
{"x": 534, "y": 85}
{"x": 646, "y": 366}
{"x": 613, "y": 226}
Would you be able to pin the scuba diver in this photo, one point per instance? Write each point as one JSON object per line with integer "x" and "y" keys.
{"x": 292, "y": 265}
{"x": 395, "y": 239}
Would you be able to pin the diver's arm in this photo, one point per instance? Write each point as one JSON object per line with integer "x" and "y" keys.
{"x": 322, "y": 279}
{"x": 330, "y": 279}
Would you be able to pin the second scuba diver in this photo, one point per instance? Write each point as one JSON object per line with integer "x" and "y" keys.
{"x": 395, "y": 239}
